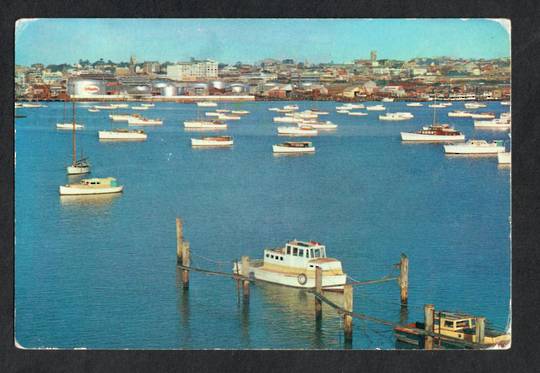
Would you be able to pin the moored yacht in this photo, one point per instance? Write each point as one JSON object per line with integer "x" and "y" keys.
{"x": 123, "y": 117}
{"x": 460, "y": 114}
{"x": 357, "y": 113}
{"x": 212, "y": 141}
{"x": 476, "y": 147}
{"x": 294, "y": 265}
{"x": 92, "y": 186}
{"x": 140, "y": 107}
{"x": 122, "y": 134}
{"x": 68, "y": 126}
{"x": 375, "y": 108}
{"x": 298, "y": 131}
{"x": 414, "y": 104}
{"x": 294, "y": 147}
{"x": 434, "y": 133}
{"x": 206, "y": 104}
{"x": 474, "y": 105}
{"x": 205, "y": 124}
{"x": 482, "y": 115}
{"x": 396, "y": 116}
{"x": 141, "y": 121}
{"x": 328, "y": 125}
{"x": 240, "y": 112}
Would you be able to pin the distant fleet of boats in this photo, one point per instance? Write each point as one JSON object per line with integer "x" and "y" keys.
{"x": 306, "y": 124}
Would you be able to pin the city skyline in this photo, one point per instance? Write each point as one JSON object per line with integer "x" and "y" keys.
{"x": 57, "y": 41}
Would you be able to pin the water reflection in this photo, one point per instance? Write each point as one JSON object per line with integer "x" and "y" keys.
{"x": 183, "y": 307}
{"x": 96, "y": 200}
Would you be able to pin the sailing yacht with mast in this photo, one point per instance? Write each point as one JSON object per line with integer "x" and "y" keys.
{"x": 78, "y": 166}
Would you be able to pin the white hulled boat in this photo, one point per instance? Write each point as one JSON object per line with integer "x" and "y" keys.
{"x": 211, "y": 114}
{"x": 123, "y": 117}
{"x": 504, "y": 158}
{"x": 387, "y": 99}
{"x": 30, "y": 105}
{"x": 505, "y": 103}
{"x": 474, "y": 105}
{"x": 375, "y": 108}
{"x": 212, "y": 141}
{"x": 438, "y": 106}
{"x": 122, "y": 134}
{"x": 148, "y": 105}
{"x": 69, "y": 126}
{"x": 396, "y": 116}
{"x": 139, "y": 107}
{"x": 294, "y": 265}
{"x": 316, "y": 112}
{"x": 342, "y": 111}
{"x": 223, "y": 111}
{"x": 357, "y": 113}
{"x": 294, "y": 147}
{"x": 290, "y": 107}
{"x": 228, "y": 117}
{"x": 92, "y": 186}
{"x": 92, "y": 110}
{"x": 120, "y": 106}
{"x": 475, "y": 147}
{"x": 141, "y": 121}
{"x": 105, "y": 107}
{"x": 240, "y": 112}
{"x": 350, "y": 106}
{"x": 327, "y": 125}
{"x": 501, "y": 123}
{"x": 287, "y": 119}
{"x": 205, "y": 124}
{"x": 414, "y": 104}
{"x": 482, "y": 115}
{"x": 434, "y": 133}
{"x": 460, "y": 114}
{"x": 206, "y": 104}
{"x": 298, "y": 131}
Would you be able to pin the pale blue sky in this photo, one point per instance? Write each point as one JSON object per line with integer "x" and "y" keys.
{"x": 54, "y": 41}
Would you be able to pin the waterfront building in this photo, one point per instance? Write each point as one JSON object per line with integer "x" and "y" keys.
{"x": 194, "y": 70}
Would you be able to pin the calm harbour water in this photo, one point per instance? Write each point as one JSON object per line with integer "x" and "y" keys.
{"x": 100, "y": 272}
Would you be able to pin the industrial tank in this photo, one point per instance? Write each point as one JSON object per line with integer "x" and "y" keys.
{"x": 169, "y": 91}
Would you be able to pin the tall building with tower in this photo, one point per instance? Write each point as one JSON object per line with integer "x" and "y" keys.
{"x": 132, "y": 63}
{"x": 373, "y": 57}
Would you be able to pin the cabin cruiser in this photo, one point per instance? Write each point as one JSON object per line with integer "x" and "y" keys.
{"x": 476, "y": 147}
{"x": 122, "y": 134}
{"x": 396, "y": 116}
{"x": 474, "y": 105}
{"x": 206, "y": 104}
{"x": 375, "y": 108}
{"x": 68, "y": 126}
{"x": 298, "y": 131}
{"x": 141, "y": 121}
{"x": 460, "y": 114}
{"x": 294, "y": 265}
{"x": 452, "y": 330}
{"x": 434, "y": 133}
{"x": 414, "y": 104}
{"x": 212, "y": 141}
{"x": 205, "y": 124}
{"x": 294, "y": 147}
{"x": 92, "y": 186}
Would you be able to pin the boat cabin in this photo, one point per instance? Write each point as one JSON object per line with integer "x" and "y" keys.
{"x": 108, "y": 181}
{"x": 305, "y": 255}
{"x": 453, "y": 322}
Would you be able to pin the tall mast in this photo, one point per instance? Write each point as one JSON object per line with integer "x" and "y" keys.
{"x": 73, "y": 135}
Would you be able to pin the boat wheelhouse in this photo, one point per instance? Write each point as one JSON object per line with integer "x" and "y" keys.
{"x": 294, "y": 147}
{"x": 294, "y": 265}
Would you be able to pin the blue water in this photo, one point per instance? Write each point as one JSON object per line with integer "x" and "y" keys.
{"x": 101, "y": 272}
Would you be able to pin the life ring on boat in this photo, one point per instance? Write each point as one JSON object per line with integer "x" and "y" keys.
{"x": 302, "y": 279}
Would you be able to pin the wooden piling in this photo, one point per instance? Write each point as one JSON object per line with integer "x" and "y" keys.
{"x": 179, "y": 240}
{"x": 347, "y": 306}
{"x": 428, "y": 326}
{"x": 318, "y": 289}
{"x": 245, "y": 273}
{"x": 404, "y": 279}
{"x": 480, "y": 329}
{"x": 186, "y": 263}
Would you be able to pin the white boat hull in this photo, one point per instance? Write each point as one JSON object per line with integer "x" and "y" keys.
{"x": 488, "y": 124}
{"x": 68, "y": 126}
{"x": 375, "y": 108}
{"x": 409, "y": 136}
{"x": 287, "y": 119}
{"x": 210, "y": 143}
{"x": 358, "y": 114}
{"x": 329, "y": 282}
{"x": 74, "y": 190}
{"x": 137, "y": 122}
{"x": 113, "y": 135}
{"x": 204, "y": 125}
{"x": 206, "y": 104}
{"x": 471, "y": 149}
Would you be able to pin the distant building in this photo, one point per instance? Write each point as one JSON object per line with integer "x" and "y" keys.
{"x": 194, "y": 70}
{"x": 151, "y": 67}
